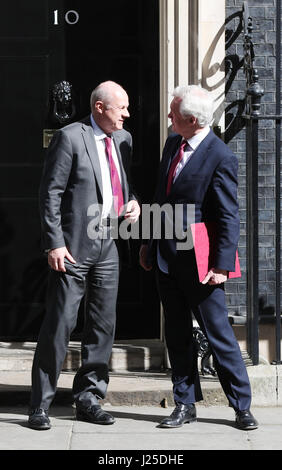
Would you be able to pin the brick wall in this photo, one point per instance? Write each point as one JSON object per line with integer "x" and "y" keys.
{"x": 263, "y": 13}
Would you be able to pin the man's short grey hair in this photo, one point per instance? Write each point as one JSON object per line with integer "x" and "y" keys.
{"x": 197, "y": 102}
{"x": 100, "y": 93}
{"x": 104, "y": 92}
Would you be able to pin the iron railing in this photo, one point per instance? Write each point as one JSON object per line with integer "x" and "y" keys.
{"x": 254, "y": 93}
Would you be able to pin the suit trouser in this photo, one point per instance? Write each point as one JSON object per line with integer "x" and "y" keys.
{"x": 181, "y": 295}
{"x": 97, "y": 280}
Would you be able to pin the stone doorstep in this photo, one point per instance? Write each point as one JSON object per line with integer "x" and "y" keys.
{"x": 133, "y": 355}
{"x": 135, "y": 377}
{"x": 138, "y": 387}
{"x": 132, "y": 389}
{"x": 151, "y": 388}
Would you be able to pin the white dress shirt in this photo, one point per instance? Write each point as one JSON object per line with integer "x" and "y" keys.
{"x": 193, "y": 142}
{"x": 100, "y": 136}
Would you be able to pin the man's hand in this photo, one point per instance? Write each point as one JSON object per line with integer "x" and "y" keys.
{"x": 143, "y": 258}
{"x": 132, "y": 211}
{"x": 57, "y": 256}
{"x": 215, "y": 276}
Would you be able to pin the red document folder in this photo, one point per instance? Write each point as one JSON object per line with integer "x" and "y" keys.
{"x": 204, "y": 240}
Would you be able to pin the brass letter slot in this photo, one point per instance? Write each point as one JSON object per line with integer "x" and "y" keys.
{"x": 47, "y": 137}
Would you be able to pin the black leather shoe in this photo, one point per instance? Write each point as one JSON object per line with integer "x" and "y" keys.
{"x": 94, "y": 414}
{"x": 180, "y": 415}
{"x": 38, "y": 419}
{"x": 245, "y": 420}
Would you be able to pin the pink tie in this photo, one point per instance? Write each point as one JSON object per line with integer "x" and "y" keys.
{"x": 173, "y": 166}
{"x": 116, "y": 186}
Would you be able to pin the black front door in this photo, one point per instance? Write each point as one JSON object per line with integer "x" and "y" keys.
{"x": 84, "y": 43}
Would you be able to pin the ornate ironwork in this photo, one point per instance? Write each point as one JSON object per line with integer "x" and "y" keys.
{"x": 254, "y": 93}
{"x": 254, "y": 89}
{"x": 204, "y": 351}
{"x": 64, "y": 108}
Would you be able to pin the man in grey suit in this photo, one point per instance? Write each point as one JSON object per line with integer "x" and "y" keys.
{"x": 85, "y": 183}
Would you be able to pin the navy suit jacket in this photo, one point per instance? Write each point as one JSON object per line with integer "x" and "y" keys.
{"x": 209, "y": 182}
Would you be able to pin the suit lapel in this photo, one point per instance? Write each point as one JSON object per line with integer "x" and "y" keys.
{"x": 197, "y": 160}
{"x": 171, "y": 153}
{"x": 88, "y": 137}
{"x": 164, "y": 169}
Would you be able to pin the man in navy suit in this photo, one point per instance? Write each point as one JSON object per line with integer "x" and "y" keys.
{"x": 198, "y": 168}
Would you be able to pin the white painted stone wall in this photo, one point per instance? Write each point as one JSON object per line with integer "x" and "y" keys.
{"x": 192, "y": 50}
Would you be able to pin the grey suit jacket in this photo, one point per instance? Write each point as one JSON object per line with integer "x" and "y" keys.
{"x": 72, "y": 183}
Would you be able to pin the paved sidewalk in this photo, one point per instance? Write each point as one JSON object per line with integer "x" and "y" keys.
{"x": 134, "y": 398}
{"x": 136, "y": 428}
